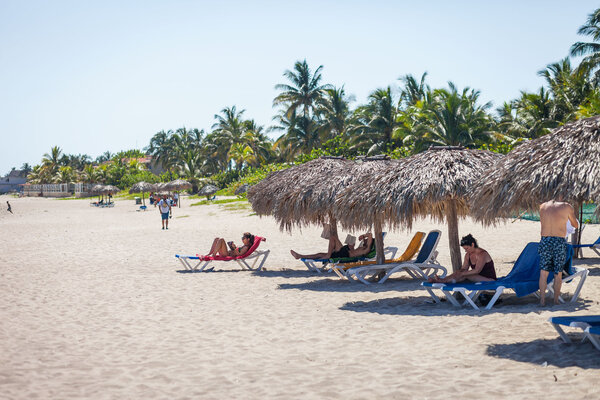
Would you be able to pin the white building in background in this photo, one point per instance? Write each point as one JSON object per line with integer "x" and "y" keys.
{"x": 13, "y": 181}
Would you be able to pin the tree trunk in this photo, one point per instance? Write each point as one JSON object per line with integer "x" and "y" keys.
{"x": 379, "y": 242}
{"x": 452, "y": 220}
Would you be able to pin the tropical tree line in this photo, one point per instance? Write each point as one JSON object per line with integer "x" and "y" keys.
{"x": 315, "y": 118}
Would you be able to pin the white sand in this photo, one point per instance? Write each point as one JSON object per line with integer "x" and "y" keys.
{"x": 91, "y": 306}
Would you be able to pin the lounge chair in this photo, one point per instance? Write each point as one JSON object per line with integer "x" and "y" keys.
{"x": 311, "y": 263}
{"x": 523, "y": 279}
{"x": 411, "y": 250}
{"x": 590, "y": 324}
{"x": 421, "y": 267}
{"x": 593, "y": 335}
{"x": 201, "y": 262}
{"x": 594, "y": 246}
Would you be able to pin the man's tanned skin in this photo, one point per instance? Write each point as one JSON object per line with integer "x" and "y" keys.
{"x": 553, "y": 218}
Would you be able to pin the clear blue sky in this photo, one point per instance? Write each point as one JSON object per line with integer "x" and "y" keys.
{"x": 91, "y": 76}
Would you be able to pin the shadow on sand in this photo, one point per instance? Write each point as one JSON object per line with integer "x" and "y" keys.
{"x": 554, "y": 352}
{"x": 342, "y": 285}
{"x": 424, "y": 306}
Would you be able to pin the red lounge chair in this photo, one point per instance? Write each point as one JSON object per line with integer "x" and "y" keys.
{"x": 252, "y": 253}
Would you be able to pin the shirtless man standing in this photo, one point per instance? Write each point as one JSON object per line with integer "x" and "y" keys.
{"x": 553, "y": 245}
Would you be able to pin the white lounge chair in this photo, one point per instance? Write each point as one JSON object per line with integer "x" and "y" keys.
{"x": 590, "y": 324}
{"x": 421, "y": 267}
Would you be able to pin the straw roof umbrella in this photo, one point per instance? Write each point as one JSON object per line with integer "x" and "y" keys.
{"x": 303, "y": 194}
{"x": 357, "y": 211}
{"x": 563, "y": 164}
{"x": 208, "y": 190}
{"x": 178, "y": 185}
{"x": 435, "y": 182}
{"x": 141, "y": 187}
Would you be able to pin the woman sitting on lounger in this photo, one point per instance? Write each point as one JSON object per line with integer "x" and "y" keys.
{"x": 478, "y": 266}
{"x": 338, "y": 250}
{"x": 219, "y": 246}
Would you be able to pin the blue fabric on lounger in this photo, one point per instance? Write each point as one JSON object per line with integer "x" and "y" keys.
{"x": 523, "y": 278}
{"x": 592, "y": 320}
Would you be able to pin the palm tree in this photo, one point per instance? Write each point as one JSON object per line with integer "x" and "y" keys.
{"x": 51, "y": 161}
{"x": 304, "y": 90}
{"x": 413, "y": 91}
{"x": 591, "y": 50}
{"x": 334, "y": 112}
{"x": 190, "y": 167}
{"x": 375, "y": 124}
{"x": 228, "y": 129}
{"x": 453, "y": 119}
{"x": 301, "y": 136}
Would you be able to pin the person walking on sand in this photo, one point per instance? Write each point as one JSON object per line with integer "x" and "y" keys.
{"x": 553, "y": 244}
{"x": 164, "y": 208}
{"x": 9, "y": 208}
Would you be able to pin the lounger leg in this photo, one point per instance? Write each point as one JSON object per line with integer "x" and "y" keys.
{"x": 337, "y": 271}
{"x": 451, "y": 298}
{"x": 468, "y": 298}
{"x": 579, "y": 286}
{"x": 562, "y": 333}
{"x": 593, "y": 339}
{"x": 433, "y": 295}
{"x": 493, "y": 300}
{"x": 185, "y": 263}
{"x": 264, "y": 258}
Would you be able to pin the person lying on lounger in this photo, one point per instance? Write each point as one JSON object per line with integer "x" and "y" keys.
{"x": 478, "y": 266}
{"x": 222, "y": 248}
{"x": 338, "y": 250}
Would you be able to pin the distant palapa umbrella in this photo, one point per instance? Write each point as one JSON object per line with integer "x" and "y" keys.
{"x": 208, "y": 191}
{"x": 141, "y": 187}
{"x": 242, "y": 189}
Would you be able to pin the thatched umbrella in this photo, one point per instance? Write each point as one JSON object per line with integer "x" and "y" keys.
{"x": 303, "y": 194}
{"x": 352, "y": 210}
{"x": 242, "y": 189}
{"x": 208, "y": 191}
{"x": 141, "y": 187}
{"x": 563, "y": 164}
{"x": 178, "y": 185}
{"x": 97, "y": 189}
{"x": 433, "y": 183}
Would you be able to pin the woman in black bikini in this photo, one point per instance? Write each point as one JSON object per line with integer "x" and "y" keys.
{"x": 477, "y": 267}
{"x": 338, "y": 250}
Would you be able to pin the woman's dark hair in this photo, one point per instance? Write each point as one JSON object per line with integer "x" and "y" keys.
{"x": 468, "y": 240}
{"x": 250, "y": 237}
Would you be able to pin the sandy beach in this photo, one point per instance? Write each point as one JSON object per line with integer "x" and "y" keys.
{"x": 94, "y": 306}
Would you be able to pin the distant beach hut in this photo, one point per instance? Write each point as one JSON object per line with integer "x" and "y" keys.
{"x": 355, "y": 206}
{"x": 303, "y": 194}
{"x": 562, "y": 164}
{"x": 433, "y": 183}
{"x": 141, "y": 187}
{"x": 208, "y": 191}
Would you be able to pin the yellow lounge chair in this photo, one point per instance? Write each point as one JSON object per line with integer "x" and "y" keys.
{"x": 411, "y": 250}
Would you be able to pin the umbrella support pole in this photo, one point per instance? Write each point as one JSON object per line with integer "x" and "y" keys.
{"x": 452, "y": 220}
{"x": 379, "y": 242}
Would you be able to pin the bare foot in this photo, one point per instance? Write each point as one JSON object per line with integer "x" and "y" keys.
{"x": 294, "y": 254}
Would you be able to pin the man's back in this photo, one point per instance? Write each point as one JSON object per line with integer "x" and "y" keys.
{"x": 554, "y": 216}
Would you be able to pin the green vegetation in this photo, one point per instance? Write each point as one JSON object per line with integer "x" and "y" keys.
{"x": 314, "y": 118}
{"x": 222, "y": 201}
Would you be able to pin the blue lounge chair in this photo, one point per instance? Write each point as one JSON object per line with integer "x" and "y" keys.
{"x": 593, "y": 335}
{"x": 523, "y": 279}
{"x": 590, "y": 324}
{"x": 594, "y": 246}
{"x": 425, "y": 263}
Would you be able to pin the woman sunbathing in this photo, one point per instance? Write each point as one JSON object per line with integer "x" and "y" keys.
{"x": 338, "y": 250}
{"x": 478, "y": 266}
{"x": 219, "y": 246}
